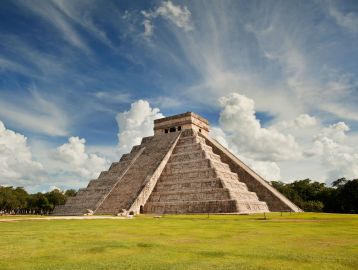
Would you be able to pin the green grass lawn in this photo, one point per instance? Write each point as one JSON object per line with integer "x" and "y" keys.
{"x": 296, "y": 241}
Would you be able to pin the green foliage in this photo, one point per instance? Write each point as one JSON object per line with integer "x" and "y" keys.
{"x": 17, "y": 200}
{"x": 70, "y": 192}
{"x": 312, "y": 196}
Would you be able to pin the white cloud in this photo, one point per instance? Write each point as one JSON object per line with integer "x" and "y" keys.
{"x": 148, "y": 28}
{"x": 244, "y": 131}
{"x": 301, "y": 121}
{"x": 80, "y": 12}
{"x": 340, "y": 158}
{"x": 335, "y": 132}
{"x": 17, "y": 166}
{"x": 178, "y": 15}
{"x": 6, "y": 64}
{"x": 348, "y": 20}
{"x": 165, "y": 102}
{"x": 135, "y": 124}
{"x": 305, "y": 120}
{"x": 331, "y": 155}
{"x": 52, "y": 188}
{"x": 220, "y": 136}
{"x": 269, "y": 170}
{"x": 73, "y": 157}
{"x": 113, "y": 96}
{"x": 50, "y": 12}
{"x": 36, "y": 114}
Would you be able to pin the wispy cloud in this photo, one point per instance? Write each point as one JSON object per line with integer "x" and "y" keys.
{"x": 179, "y": 15}
{"x": 36, "y": 114}
{"x": 348, "y": 20}
{"x": 57, "y": 18}
{"x": 114, "y": 96}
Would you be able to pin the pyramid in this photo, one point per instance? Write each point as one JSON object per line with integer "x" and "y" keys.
{"x": 180, "y": 169}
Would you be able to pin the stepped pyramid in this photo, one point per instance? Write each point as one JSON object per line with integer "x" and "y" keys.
{"x": 178, "y": 170}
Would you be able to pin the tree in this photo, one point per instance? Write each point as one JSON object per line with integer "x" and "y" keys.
{"x": 70, "y": 193}
{"x": 55, "y": 197}
{"x": 342, "y": 197}
{"x": 348, "y": 196}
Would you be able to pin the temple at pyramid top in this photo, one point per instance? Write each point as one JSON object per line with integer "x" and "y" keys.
{"x": 179, "y": 122}
{"x": 180, "y": 169}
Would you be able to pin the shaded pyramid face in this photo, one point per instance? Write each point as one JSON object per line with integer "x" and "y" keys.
{"x": 178, "y": 170}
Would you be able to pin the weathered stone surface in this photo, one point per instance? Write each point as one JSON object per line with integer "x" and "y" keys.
{"x": 274, "y": 199}
{"x": 196, "y": 181}
{"x": 178, "y": 170}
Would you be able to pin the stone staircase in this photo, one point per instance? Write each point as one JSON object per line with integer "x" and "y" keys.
{"x": 118, "y": 187}
{"x": 178, "y": 170}
{"x": 196, "y": 181}
{"x": 96, "y": 190}
{"x": 127, "y": 190}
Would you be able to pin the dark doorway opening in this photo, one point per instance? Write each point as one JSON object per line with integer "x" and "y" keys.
{"x": 141, "y": 209}
{"x": 172, "y": 129}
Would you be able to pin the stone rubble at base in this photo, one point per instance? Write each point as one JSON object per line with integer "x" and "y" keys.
{"x": 178, "y": 170}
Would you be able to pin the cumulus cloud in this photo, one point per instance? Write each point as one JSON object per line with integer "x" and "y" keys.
{"x": 301, "y": 121}
{"x": 305, "y": 120}
{"x": 17, "y": 165}
{"x": 335, "y": 132}
{"x": 135, "y": 124}
{"x": 269, "y": 170}
{"x": 329, "y": 145}
{"x": 74, "y": 158}
{"x": 244, "y": 131}
{"x": 178, "y": 15}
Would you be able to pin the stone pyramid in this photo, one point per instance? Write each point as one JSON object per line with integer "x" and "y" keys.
{"x": 178, "y": 170}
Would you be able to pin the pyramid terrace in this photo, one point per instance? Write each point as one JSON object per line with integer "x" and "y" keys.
{"x": 180, "y": 169}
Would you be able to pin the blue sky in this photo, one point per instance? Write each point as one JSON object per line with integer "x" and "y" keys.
{"x": 71, "y": 68}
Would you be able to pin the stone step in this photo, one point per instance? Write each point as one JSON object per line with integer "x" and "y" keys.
{"x": 117, "y": 167}
{"x": 104, "y": 181}
{"x": 177, "y": 167}
{"x": 114, "y": 164}
{"x": 135, "y": 149}
{"x": 204, "y": 194}
{"x": 216, "y": 206}
{"x": 202, "y": 183}
{"x": 210, "y": 194}
{"x": 125, "y": 157}
{"x": 124, "y": 193}
{"x": 189, "y": 184}
{"x": 252, "y": 207}
{"x": 191, "y": 147}
{"x": 197, "y": 154}
{"x": 190, "y": 140}
{"x": 103, "y": 174}
{"x": 198, "y": 174}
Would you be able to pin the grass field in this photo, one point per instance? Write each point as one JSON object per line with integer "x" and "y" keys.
{"x": 296, "y": 241}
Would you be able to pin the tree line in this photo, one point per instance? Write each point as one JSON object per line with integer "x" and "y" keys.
{"x": 311, "y": 196}
{"x": 16, "y": 200}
